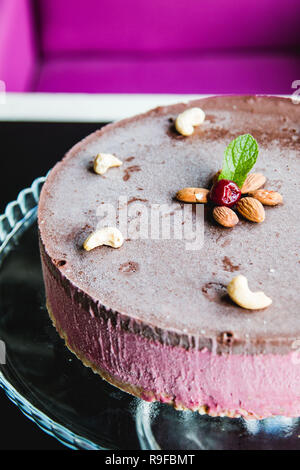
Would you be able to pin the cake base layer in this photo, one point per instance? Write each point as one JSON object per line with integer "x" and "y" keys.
{"x": 232, "y": 385}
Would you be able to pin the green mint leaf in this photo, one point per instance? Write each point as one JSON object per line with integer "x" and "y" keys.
{"x": 240, "y": 156}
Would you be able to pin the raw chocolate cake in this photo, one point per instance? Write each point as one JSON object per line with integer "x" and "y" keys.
{"x": 153, "y": 317}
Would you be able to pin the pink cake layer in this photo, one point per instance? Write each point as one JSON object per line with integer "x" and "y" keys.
{"x": 252, "y": 386}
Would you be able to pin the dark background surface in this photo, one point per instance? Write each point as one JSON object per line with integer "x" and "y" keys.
{"x": 29, "y": 150}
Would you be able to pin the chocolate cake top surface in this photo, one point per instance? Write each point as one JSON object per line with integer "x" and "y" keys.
{"x": 159, "y": 281}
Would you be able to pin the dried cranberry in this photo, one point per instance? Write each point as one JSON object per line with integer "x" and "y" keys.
{"x": 225, "y": 193}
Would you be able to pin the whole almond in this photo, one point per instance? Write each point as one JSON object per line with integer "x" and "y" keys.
{"x": 225, "y": 216}
{"x": 251, "y": 209}
{"x": 192, "y": 195}
{"x": 253, "y": 181}
{"x": 267, "y": 198}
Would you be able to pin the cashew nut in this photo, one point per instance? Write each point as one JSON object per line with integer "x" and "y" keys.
{"x": 240, "y": 293}
{"x": 110, "y": 236}
{"x": 104, "y": 161}
{"x": 186, "y": 121}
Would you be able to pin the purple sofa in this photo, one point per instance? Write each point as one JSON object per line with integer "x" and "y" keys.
{"x": 156, "y": 46}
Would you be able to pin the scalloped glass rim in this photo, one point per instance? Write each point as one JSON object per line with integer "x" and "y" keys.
{"x": 17, "y": 217}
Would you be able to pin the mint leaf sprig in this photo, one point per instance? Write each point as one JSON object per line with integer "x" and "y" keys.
{"x": 240, "y": 156}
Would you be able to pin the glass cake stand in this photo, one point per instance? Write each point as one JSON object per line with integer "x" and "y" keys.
{"x": 67, "y": 400}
